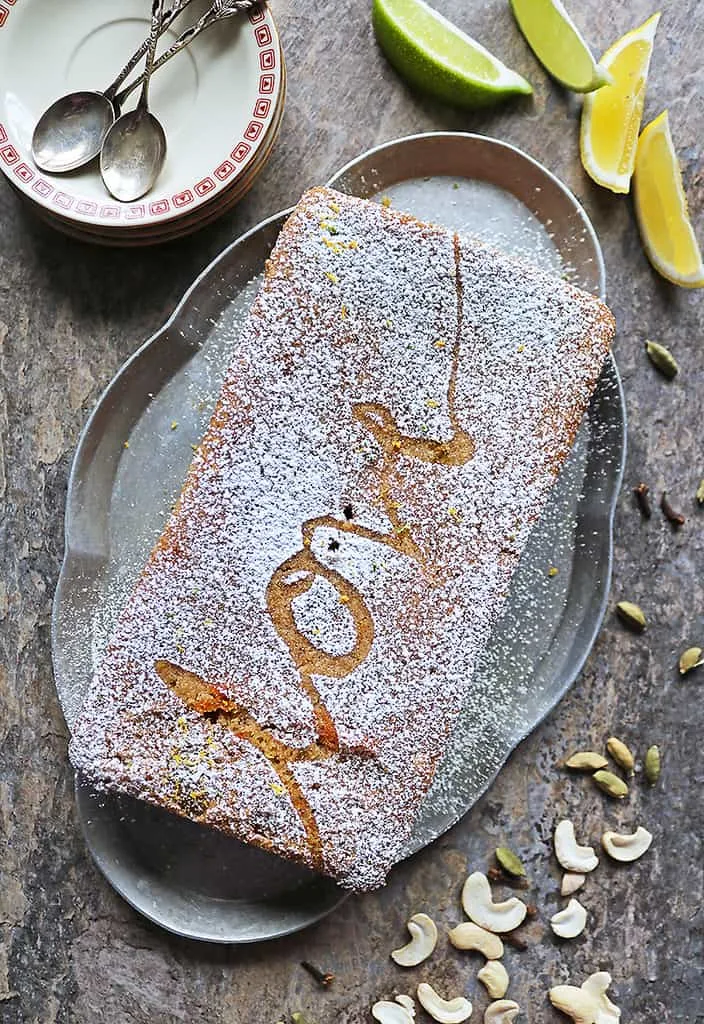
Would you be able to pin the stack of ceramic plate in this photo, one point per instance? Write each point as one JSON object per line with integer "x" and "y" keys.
{"x": 220, "y": 101}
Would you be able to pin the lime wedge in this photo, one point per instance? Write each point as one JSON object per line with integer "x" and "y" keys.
{"x": 555, "y": 40}
{"x": 432, "y": 54}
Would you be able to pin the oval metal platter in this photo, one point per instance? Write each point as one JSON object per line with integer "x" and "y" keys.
{"x": 189, "y": 879}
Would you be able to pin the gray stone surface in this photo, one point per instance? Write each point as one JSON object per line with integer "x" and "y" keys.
{"x": 70, "y": 949}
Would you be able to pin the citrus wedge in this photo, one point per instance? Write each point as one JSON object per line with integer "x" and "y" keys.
{"x": 556, "y": 42}
{"x": 611, "y": 116}
{"x": 434, "y": 55}
{"x": 661, "y": 208}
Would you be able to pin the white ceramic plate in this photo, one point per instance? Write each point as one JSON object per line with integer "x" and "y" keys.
{"x": 177, "y": 227}
{"x": 217, "y": 101}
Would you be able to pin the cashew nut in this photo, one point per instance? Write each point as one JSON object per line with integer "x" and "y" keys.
{"x": 504, "y": 1011}
{"x": 570, "y": 922}
{"x": 627, "y": 847}
{"x": 407, "y": 1004}
{"x": 478, "y": 904}
{"x": 571, "y": 882}
{"x": 445, "y": 1011}
{"x": 390, "y": 1013}
{"x": 588, "y": 1004}
{"x": 424, "y": 936}
{"x": 571, "y": 856}
{"x": 494, "y": 977}
{"x": 597, "y": 985}
{"x": 470, "y": 936}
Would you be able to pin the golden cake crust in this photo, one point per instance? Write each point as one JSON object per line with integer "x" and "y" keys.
{"x": 292, "y": 660}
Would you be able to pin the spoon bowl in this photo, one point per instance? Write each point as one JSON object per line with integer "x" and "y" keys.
{"x": 71, "y": 132}
{"x": 133, "y": 154}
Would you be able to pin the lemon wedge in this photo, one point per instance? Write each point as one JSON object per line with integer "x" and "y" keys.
{"x": 556, "y": 42}
{"x": 434, "y": 55}
{"x": 611, "y": 116}
{"x": 661, "y": 208}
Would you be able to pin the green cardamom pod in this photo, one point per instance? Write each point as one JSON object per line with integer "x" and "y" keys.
{"x": 586, "y": 761}
{"x": 662, "y": 359}
{"x": 631, "y": 615}
{"x": 692, "y": 658}
{"x": 611, "y": 784}
{"x": 299, "y": 1018}
{"x": 509, "y": 862}
{"x": 700, "y": 493}
{"x": 651, "y": 765}
{"x": 621, "y": 754}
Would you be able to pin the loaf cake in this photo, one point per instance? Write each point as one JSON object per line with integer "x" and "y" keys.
{"x": 293, "y": 658}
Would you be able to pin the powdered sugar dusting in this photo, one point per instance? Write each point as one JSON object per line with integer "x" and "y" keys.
{"x": 359, "y": 307}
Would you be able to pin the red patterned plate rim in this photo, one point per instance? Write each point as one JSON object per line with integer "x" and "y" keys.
{"x": 171, "y": 228}
{"x": 153, "y": 234}
{"x": 17, "y": 164}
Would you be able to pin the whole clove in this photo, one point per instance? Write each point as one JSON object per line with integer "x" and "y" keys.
{"x": 641, "y": 492}
{"x": 676, "y": 518}
{"x": 515, "y": 940}
{"x": 324, "y": 978}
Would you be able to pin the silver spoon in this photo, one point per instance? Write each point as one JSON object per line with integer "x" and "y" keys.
{"x": 71, "y": 132}
{"x": 134, "y": 150}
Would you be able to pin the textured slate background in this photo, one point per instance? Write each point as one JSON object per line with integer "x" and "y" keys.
{"x": 70, "y": 950}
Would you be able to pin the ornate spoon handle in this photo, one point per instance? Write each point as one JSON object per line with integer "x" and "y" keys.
{"x": 154, "y": 33}
{"x": 218, "y": 11}
{"x": 168, "y": 17}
